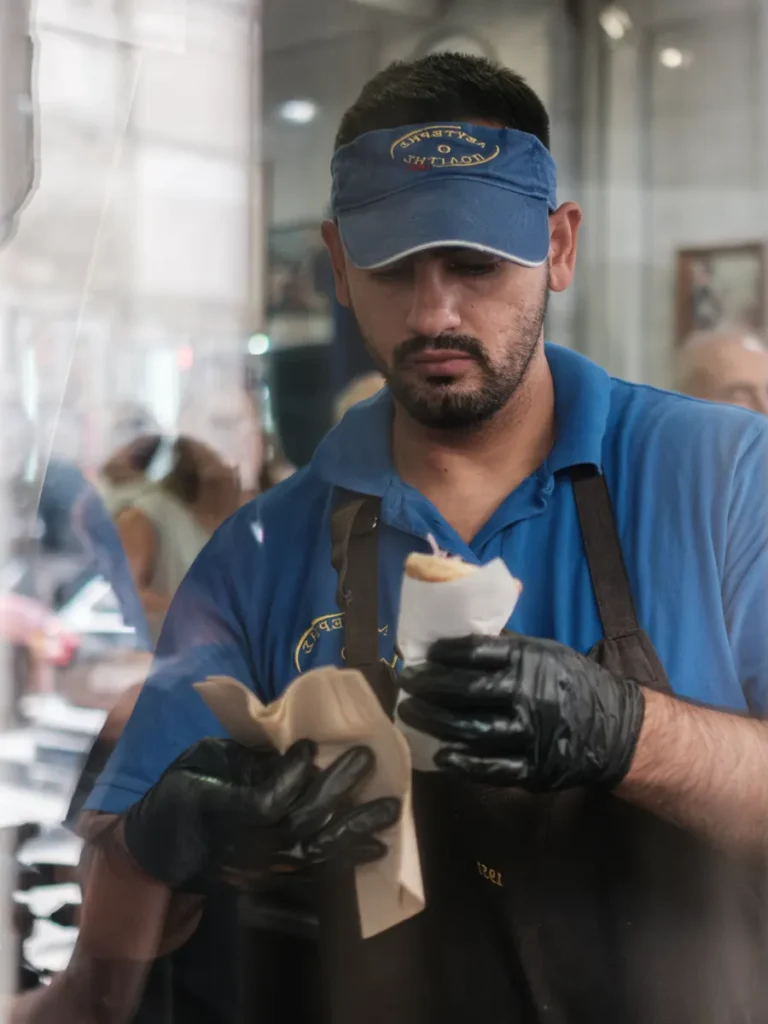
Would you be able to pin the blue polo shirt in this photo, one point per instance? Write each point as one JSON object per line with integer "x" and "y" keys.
{"x": 688, "y": 482}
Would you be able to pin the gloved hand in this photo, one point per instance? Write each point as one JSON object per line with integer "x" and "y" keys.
{"x": 223, "y": 808}
{"x": 514, "y": 711}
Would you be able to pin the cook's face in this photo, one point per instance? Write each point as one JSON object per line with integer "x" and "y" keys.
{"x": 452, "y": 330}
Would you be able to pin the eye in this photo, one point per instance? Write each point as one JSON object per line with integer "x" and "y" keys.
{"x": 396, "y": 272}
{"x": 475, "y": 268}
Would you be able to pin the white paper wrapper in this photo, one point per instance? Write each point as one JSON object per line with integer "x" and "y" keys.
{"x": 479, "y": 603}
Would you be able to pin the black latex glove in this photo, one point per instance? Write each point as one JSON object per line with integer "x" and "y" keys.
{"x": 223, "y": 808}
{"x": 514, "y": 711}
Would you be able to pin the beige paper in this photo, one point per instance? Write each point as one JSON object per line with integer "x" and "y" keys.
{"x": 337, "y": 708}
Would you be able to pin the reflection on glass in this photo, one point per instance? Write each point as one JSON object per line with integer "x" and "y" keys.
{"x": 163, "y": 279}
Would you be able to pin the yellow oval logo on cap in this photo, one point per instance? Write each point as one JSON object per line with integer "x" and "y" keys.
{"x": 441, "y": 145}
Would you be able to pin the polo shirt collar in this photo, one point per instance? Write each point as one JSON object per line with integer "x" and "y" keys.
{"x": 582, "y": 404}
{"x": 356, "y": 455}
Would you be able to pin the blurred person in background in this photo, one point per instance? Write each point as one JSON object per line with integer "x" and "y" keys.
{"x": 61, "y": 532}
{"x": 60, "y": 537}
{"x": 359, "y": 390}
{"x": 158, "y": 520}
{"x": 594, "y": 833}
{"x": 725, "y": 365}
{"x": 222, "y": 459}
{"x": 123, "y": 478}
{"x": 60, "y": 429}
{"x": 168, "y": 523}
{"x": 230, "y": 421}
{"x": 134, "y": 441}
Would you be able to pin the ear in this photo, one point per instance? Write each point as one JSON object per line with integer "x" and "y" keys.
{"x": 333, "y": 244}
{"x": 564, "y": 227}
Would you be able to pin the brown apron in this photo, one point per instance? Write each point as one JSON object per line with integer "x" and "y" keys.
{"x": 572, "y": 908}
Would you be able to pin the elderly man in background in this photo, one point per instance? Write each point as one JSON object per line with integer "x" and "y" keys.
{"x": 726, "y": 365}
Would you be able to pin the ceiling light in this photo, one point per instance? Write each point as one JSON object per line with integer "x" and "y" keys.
{"x": 673, "y": 57}
{"x": 258, "y": 344}
{"x": 456, "y": 42}
{"x": 615, "y": 21}
{"x": 298, "y": 111}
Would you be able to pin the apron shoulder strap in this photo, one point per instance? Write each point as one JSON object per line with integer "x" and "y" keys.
{"x": 355, "y": 557}
{"x": 604, "y": 556}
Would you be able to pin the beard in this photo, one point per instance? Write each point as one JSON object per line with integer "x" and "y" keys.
{"x": 446, "y": 403}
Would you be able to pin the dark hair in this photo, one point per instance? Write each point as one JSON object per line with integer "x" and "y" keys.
{"x": 445, "y": 87}
{"x": 143, "y": 450}
{"x": 195, "y": 466}
{"x": 132, "y": 459}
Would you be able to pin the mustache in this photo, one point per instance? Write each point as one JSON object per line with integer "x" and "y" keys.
{"x": 445, "y": 343}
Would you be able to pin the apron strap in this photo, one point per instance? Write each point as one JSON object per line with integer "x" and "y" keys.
{"x": 604, "y": 556}
{"x": 355, "y": 557}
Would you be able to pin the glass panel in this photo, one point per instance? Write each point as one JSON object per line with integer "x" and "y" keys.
{"x": 176, "y": 341}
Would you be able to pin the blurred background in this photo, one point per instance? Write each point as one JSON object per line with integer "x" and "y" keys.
{"x": 169, "y": 340}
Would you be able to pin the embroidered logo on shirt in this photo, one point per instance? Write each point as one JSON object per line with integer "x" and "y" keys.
{"x": 321, "y": 628}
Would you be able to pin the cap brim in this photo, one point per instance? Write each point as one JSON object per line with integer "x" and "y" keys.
{"x": 447, "y": 213}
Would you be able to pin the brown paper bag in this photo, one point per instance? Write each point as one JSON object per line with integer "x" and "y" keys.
{"x": 337, "y": 708}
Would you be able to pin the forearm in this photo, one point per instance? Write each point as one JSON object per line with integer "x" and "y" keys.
{"x": 90, "y": 991}
{"x": 704, "y": 770}
{"x": 127, "y": 920}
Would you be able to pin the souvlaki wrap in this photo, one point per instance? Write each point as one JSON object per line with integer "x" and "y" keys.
{"x": 444, "y": 597}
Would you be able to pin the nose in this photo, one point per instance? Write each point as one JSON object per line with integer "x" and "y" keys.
{"x": 434, "y": 302}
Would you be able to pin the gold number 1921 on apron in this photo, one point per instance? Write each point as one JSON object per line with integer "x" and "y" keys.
{"x": 489, "y": 874}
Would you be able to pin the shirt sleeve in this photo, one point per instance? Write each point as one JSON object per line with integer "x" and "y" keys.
{"x": 204, "y": 634}
{"x": 745, "y": 581}
{"x": 101, "y": 540}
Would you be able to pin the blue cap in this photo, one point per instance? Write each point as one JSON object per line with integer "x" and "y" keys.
{"x": 403, "y": 190}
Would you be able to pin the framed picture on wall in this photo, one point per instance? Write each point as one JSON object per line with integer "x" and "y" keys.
{"x": 721, "y": 287}
{"x": 299, "y": 286}
{"x": 298, "y": 270}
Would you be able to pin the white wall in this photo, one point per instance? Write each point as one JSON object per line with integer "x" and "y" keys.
{"x": 705, "y": 178}
{"x": 333, "y": 70}
{"x": 138, "y": 237}
{"x": 330, "y": 72}
{"x": 518, "y": 34}
{"x": 683, "y": 164}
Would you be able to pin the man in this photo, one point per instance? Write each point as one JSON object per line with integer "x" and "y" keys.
{"x": 593, "y": 837}
{"x": 724, "y": 366}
